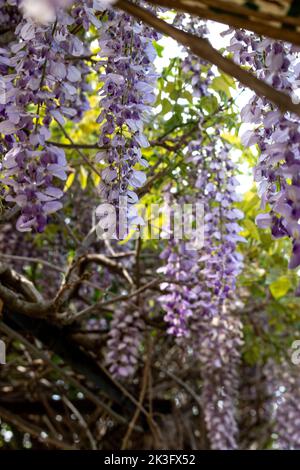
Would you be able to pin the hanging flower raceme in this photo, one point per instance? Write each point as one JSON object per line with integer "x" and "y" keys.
{"x": 214, "y": 334}
{"x": 180, "y": 293}
{"x": 124, "y": 342}
{"x": 47, "y": 85}
{"x": 184, "y": 294}
{"x": 217, "y": 335}
{"x": 277, "y": 135}
{"x": 221, "y": 341}
{"x": 30, "y": 175}
{"x": 208, "y": 276}
{"x": 217, "y": 177}
{"x": 198, "y": 284}
{"x": 284, "y": 385}
{"x": 219, "y": 261}
{"x": 127, "y": 55}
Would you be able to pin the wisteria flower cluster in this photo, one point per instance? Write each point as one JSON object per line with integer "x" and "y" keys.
{"x": 181, "y": 264}
{"x": 198, "y": 283}
{"x": 198, "y": 71}
{"x": 108, "y": 297}
{"x": 50, "y": 85}
{"x": 124, "y": 342}
{"x": 203, "y": 280}
{"x": 217, "y": 182}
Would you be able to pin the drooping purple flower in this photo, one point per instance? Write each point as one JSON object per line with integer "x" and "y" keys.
{"x": 127, "y": 55}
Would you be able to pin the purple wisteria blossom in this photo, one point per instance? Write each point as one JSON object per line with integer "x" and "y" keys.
{"x": 29, "y": 175}
{"x": 181, "y": 264}
{"x": 216, "y": 179}
{"x": 277, "y": 134}
{"x": 181, "y": 293}
{"x": 216, "y": 334}
{"x": 219, "y": 352}
{"x": 199, "y": 284}
{"x": 201, "y": 281}
{"x": 198, "y": 72}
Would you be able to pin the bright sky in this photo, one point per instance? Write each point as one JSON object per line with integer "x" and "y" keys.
{"x": 172, "y": 50}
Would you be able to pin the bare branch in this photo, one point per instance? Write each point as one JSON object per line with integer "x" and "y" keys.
{"x": 9, "y": 214}
{"x": 33, "y": 430}
{"x": 70, "y": 317}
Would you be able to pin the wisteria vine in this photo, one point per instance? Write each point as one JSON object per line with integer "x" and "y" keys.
{"x": 127, "y": 55}
{"x": 45, "y": 67}
{"x": 277, "y": 135}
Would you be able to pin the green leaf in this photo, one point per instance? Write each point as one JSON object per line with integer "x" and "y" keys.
{"x": 83, "y": 177}
{"x": 252, "y": 229}
{"x": 69, "y": 182}
{"x": 280, "y": 287}
{"x": 96, "y": 179}
{"x": 188, "y": 96}
{"x": 229, "y": 80}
